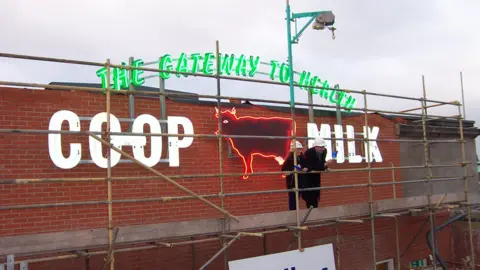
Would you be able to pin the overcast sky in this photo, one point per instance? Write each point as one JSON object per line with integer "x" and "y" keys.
{"x": 380, "y": 46}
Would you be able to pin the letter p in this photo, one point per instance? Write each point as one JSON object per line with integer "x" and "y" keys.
{"x": 173, "y": 143}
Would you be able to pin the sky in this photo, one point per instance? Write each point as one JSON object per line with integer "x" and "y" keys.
{"x": 380, "y": 46}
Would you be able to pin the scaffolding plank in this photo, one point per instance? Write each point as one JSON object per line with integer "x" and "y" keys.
{"x": 78, "y": 240}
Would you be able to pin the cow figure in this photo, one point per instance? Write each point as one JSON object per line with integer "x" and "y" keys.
{"x": 247, "y": 148}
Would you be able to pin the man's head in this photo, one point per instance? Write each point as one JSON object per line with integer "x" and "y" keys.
{"x": 319, "y": 144}
{"x": 299, "y": 147}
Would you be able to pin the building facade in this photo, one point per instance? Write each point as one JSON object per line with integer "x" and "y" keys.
{"x": 148, "y": 210}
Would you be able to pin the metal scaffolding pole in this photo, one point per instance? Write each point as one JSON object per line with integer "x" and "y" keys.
{"x": 40, "y": 131}
{"x": 23, "y": 181}
{"x": 129, "y": 67}
{"x": 110, "y": 260}
{"x": 467, "y": 194}
{"x": 166, "y": 199}
{"x": 370, "y": 186}
{"x": 429, "y": 171}
{"x": 147, "y": 93}
{"x": 225, "y": 245}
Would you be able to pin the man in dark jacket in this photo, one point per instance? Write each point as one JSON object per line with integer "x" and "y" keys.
{"x": 315, "y": 161}
{"x": 288, "y": 165}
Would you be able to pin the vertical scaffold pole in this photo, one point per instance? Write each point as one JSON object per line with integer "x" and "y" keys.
{"x": 220, "y": 152}
{"x": 292, "y": 108}
{"x": 109, "y": 174}
{"x": 397, "y": 242}
{"x": 463, "y": 95}
{"x": 429, "y": 171}
{"x": 370, "y": 184}
{"x": 467, "y": 195}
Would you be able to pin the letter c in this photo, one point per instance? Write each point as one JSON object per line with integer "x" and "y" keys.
{"x": 55, "y": 140}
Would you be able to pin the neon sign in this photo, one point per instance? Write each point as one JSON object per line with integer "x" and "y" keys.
{"x": 325, "y": 132}
{"x": 136, "y": 142}
{"x": 248, "y": 148}
{"x": 230, "y": 65}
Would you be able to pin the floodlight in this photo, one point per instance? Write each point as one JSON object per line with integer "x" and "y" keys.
{"x": 326, "y": 18}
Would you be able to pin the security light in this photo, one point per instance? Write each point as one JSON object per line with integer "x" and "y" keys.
{"x": 326, "y": 18}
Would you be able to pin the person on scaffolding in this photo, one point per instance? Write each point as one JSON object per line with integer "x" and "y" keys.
{"x": 288, "y": 165}
{"x": 315, "y": 161}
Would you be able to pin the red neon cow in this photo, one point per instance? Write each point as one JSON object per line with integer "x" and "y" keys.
{"x": 246, "y": 148}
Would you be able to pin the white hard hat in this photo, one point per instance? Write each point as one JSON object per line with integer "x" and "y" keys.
{"x": 319, "y": 141}
{"x": 298, "y": 144}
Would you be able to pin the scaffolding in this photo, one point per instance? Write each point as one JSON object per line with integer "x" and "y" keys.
{"x": 226, "y": 238}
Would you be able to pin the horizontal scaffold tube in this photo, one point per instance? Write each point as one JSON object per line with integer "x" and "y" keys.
{"x": 247, "y": 193}
{"x": 129, "y": 67}
{"x": 133, "y": 92}
{"x": 38, "y": 131}
{"x": 19, "y": 181}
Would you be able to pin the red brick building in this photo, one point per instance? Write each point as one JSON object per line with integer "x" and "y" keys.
{"x": 26, "y": 156}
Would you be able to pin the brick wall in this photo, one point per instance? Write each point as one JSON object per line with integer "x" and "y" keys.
{"x": 26, "y": 156}
{"x": 461, "y": 241}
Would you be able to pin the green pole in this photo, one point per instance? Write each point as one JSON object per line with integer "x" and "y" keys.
{"x": 290, "y": 62}
{"x": 292, "y": 108}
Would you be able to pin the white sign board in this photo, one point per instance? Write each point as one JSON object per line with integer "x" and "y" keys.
{"x": 313, "y": 258}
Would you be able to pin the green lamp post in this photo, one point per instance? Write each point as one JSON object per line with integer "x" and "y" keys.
{"x": 320, "y": 19}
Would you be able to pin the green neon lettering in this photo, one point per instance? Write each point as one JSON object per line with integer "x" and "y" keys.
{"x": 274, "y": 65}
{"x": 313, "y": 82}
{"x": 350, "y": 103}
{"x": 102, "y": 73}
{"x": 196, "y": 63}
{"x": 226, "y": 65}
{"x": 324, "y": 92}
{"x": 241, "y": 66}
{"x": 284, "y": 76}
{"x": 165, "y": 64}
{"x": 136, "y": 80}
{"x": 336, "y": 96}
{"x": 120, "y": 78}
{"x": 253, "y": 65}
{"x": 304, "y": 80}
{"x": 182, "y": 65}
{"x": 208, "y": 63}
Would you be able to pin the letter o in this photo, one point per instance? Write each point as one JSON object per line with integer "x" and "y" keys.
{"x": 156, "y": 141}
{"x": 96, "y": 146}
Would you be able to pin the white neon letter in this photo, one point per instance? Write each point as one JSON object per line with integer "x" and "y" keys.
{"x": 173, "y": 143}
{"x": 352, "y": 156}
{"x": 339, "y": 146}
{"x": 374, "y": 150}
{"x": 55, "y": 140}
{"x": 96, "y": 146}
{"x": 312, "y": 131}
{"x": 156, "y": 141}
{"x": 324, "y": 132}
